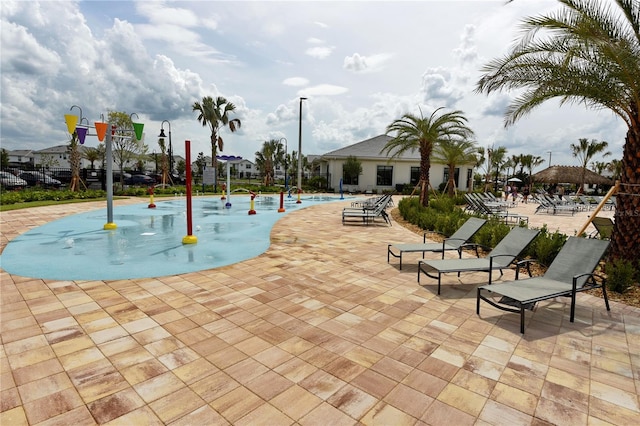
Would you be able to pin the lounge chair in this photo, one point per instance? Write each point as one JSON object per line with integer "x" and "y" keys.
{"x": 501, "y": 257}
{"x": 368, "y": 214}
{"x": 458, "y": 241}
{"x": 604, "y": 227}
{"x": 569, "y": 273}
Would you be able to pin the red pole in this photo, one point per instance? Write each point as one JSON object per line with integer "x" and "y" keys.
{"x": 281, "y": 209}
{"x": 189, "y": 238}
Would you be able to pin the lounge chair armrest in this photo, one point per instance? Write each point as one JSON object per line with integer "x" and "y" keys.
{"x": 591, "y": 277}
{"x": 469, "y": 246}
{"x": 424, "y": 237}
{"x": 526, "y": 263}
{"x": 496, "y": 256}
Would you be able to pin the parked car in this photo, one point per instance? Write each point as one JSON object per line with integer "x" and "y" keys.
{"x": 40, "y": 179}
{"x": 10, "y": 181}
{"x": 142, "y": 180}
{"x": 62, "y": 175}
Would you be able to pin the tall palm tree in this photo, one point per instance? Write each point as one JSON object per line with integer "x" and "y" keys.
{"x": 452, "y": 153}
{"x": 531, "y": 161}
{"x": 266, "y": 159}
{"x": 91, "y": 154}
{"x": 413, "y": 132}
{"x": 585, "y": 53}
{"x": 215, "y": 114}
{"x": 497, "y": 162}
{"x": 585, "y": 150}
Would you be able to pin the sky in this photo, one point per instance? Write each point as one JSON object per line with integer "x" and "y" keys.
{"x": 360, "y": 64}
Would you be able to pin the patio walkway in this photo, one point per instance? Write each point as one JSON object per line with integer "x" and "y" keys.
{"x": 318, "y": 330}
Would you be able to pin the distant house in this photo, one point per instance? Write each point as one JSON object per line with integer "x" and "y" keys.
{"x": 381, "y": 174}
{"x": 18, "y": 157}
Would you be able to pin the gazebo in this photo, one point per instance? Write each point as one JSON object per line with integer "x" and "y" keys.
{"x": 570, "y": 174}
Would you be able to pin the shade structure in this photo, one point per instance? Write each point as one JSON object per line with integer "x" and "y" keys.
{"x": 514, "y": 179}
{"x": 570, "y": 174}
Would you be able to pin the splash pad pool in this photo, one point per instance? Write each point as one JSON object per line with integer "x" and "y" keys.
{"x": 148, "y": 242}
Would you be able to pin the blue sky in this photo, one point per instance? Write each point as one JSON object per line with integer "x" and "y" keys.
{"x": 360, "y": 64}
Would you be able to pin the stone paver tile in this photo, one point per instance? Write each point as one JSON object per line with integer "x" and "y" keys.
{"x": 30, "y": 357}
{"x": 615, "y": 396}
{"x": 556, "y": 413}
{"x": 612, "y": 413}
{"x": 14, "y": 417}
{"x": 204, "y": 415}
{"x": 495, "y": 413}
{"x": 440, "y": 413}
{"x": 66, "y": 347}
{"x": 96, "y": 380}
{"x": 322, "y": 384}
{"x": 141, "y": 416}
{"x": 118, "y": 404}
{"x": 158, "y": 386}
{"x": 425, "y": 383}
{"x": 77, "y": 416}
{"x": 462, "y": 399}
{"x": 81, "y": 358}
{"x": 343, "y": 368}
{"x": 117, "y": 346}
{"x": 253, "y": 345}
{"x": 514, "y": 398}
{"x": 43, "y": 387}
{"x": 36, "y": 371}
{"x": 352, "y": 401}
{"x": 178, "y": 358}
{"x": 296, "y": 369}
{"x": 52, "y": 405}
{"x": 136, "y": 355}
{"x": 374, "y": 383}
{"x": 296, "y": 345}
{"x": 246, "y": 370}
{"x": 236, "y": 404}
{"x": 226, "y": 357}
{"x": 9, "y": 398}
{"x": 522, "y": 380}
{"x": 269, "y": 384}
{"x": 564, "y": 378}
{"x": 23, "y": 345}
{"x": 325, "y": 414}
{"x": 195, "y": 370}
{"x": 214, "y": 386}
{"x": 265, "y": 414}
{"x": 408, "y": 400}
{"x": 474, "y": 382}
{"x": 177, "y": 404}
{"x": 566, "y": 396}
{"x": 483, "y": 367}
{"x": 143, "y": 371}
{"x": 273, "y": 356}
{"x": 296, "y": 402}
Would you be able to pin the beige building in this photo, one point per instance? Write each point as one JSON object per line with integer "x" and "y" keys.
{"x": 379, "y": 173}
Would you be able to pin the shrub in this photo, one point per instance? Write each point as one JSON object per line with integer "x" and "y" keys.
{"x": 620, "y": 275}
{"x": 546, "y": 246}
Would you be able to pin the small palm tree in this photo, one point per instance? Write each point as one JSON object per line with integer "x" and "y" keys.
{"x": 91, "y": 155}
{"x": 585, "y": 150}
{"x": 424, "y": 134}
{"x": 452, "y": 153}
{"x": 530, "y": 162}
{"x": 215, "y": 114}
{"x": 586, "y": 53}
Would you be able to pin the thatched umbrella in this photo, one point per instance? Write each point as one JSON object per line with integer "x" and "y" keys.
{"x": 570, "y": 174}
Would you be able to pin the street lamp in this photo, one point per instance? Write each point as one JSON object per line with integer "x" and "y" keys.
{"x": 162, "y": 135}
{"x": 300, "y": 149}
{"x": 286, "y": 185}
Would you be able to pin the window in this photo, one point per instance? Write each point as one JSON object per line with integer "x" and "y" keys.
{"x": 414, "y": 177}
{"x": 456, "y": 175}
{"x": 384, "y": 176}
{"x": 348, "y": 179}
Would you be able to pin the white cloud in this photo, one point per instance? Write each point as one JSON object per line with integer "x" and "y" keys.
{"x": 295, "y": 81}
{"x": 373, "y": 63}
{"x": 324, "y": 90}
{"x": 319, "y": 52}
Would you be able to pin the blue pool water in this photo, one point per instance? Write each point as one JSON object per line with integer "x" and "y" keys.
{"x": 148, "y": 242}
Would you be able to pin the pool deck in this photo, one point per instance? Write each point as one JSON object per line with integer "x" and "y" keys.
{"x": 318, "y": 330}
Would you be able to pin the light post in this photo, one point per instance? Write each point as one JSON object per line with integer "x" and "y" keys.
{"x": 300, "y": 150}
{"x": 549, "y": 152}
{"x": 286, "y": 185}
{"x": 162, "y": 135}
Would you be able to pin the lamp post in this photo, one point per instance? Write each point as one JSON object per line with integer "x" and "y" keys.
{"x": 300, "y": 150}
{"x": 286, "y": 185}
{"x": 170, "y": 153}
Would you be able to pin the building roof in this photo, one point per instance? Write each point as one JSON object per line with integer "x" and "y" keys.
{"x": 370, "y": 148}
{"x": 53, "y": 150}
{"x": 20, "y": 152}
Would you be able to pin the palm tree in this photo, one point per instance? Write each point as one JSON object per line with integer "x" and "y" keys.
{"x": 615, "y": 167}
{"x": 266, "y": 159}
{"x": 215, "y": 114}
{"x": 92, "y": 155}
{"x": 452, "y": 153}
{"x": 531, "y": 161}
{"x": 424, "y": 134}
{"x": 585, "y": 150}
{"x": 497, "y": 162}
{"x": 585, "y": 53}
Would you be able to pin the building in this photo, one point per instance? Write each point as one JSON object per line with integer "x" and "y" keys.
{"x": 379, "y": 173}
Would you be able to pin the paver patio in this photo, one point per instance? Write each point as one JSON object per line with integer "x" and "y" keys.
{"x": 318, "y": 330}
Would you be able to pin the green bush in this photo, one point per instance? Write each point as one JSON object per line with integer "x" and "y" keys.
{"x": 620, "y": 275}
{"x": 491, "y": 233}
{"x": 39, "y": 194}
{"x": 546, "y": 246}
